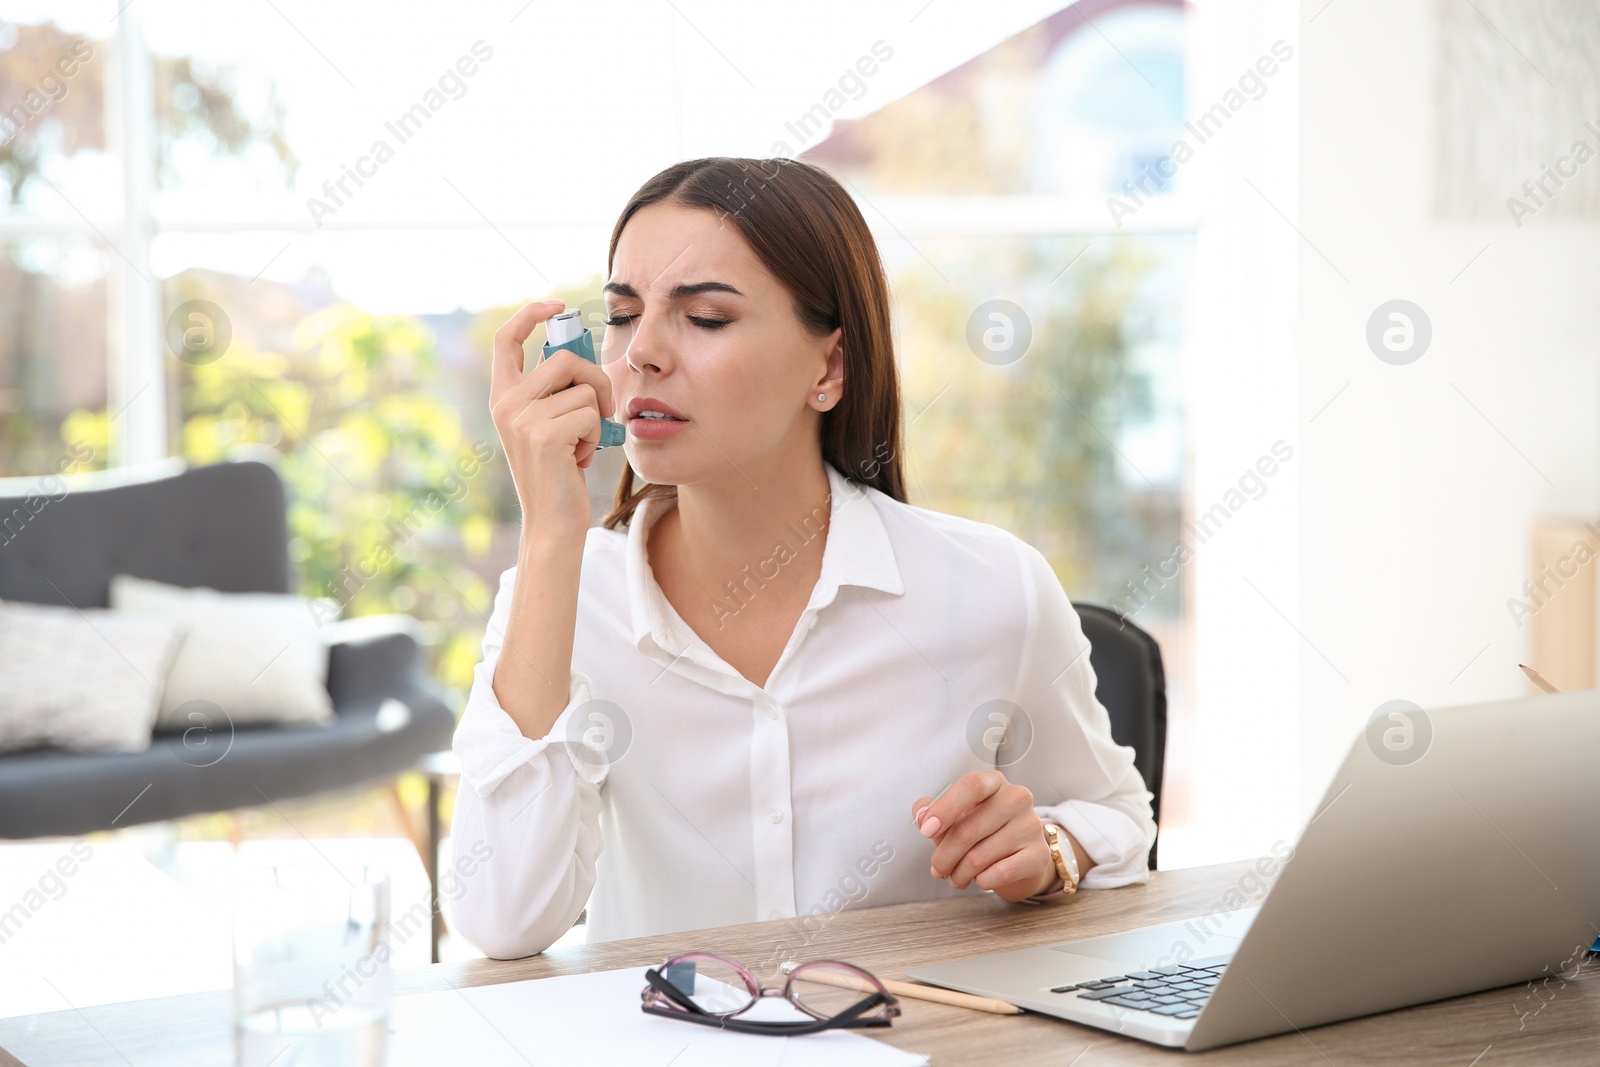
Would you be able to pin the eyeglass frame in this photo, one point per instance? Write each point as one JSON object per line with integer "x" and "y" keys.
{"x": 658, "y": 987}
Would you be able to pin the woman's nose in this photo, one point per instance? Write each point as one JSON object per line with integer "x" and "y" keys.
{"x": 648, "y": 346}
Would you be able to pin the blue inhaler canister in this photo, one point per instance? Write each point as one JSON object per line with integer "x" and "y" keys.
{"x": 566, "y": 331}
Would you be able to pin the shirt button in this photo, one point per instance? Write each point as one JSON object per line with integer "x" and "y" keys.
{"x": 776, "y": 815}
{"x": 773, "y": 710}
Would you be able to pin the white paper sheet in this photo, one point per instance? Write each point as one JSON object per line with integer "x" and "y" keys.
{"x": 595, "y": 1019}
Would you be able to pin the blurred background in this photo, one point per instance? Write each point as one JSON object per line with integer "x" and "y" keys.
{"x": 1199, "y": 216}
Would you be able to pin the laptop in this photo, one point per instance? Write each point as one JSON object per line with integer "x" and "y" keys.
{"x": 1456, "y": 850}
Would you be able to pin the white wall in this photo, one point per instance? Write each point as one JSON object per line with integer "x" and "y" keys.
{"x": 1415, "y": 508}
{"x": 1378, "y": 564}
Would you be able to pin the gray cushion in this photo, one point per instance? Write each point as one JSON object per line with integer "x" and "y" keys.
{"x": 54, "y": 793}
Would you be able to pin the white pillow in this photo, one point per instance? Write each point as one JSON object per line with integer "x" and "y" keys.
{"x": 257, "y": 656}
{"x": 83, "y": 680}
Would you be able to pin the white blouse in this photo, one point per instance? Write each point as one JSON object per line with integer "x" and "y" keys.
{"x": 683, "y": 796}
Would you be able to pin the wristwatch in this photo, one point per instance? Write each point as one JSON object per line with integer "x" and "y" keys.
{"x": 1065, "y": 859}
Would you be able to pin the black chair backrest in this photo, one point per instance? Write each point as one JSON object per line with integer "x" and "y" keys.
{"x": 1132, "y": 684}
{"x": 223, "y": 526}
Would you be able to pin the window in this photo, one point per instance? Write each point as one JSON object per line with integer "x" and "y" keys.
{"x": 329, "y": 216}
{"x": 991, "y": 187}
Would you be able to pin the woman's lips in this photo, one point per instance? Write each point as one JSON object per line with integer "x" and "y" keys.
{"x": 640, "y": 404}
{"x": 654, "y": 429}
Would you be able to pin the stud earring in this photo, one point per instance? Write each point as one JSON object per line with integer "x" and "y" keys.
{"x": 822, "y": 396}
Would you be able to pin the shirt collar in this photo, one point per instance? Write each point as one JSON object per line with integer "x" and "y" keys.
{"x": 857, "y": 552}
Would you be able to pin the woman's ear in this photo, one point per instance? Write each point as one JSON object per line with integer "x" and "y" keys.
{"x": 831, "y": 384}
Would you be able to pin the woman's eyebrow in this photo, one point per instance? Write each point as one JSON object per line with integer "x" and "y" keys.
{"x": 678, "y": 291}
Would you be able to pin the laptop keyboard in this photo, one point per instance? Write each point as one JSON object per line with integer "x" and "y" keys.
{"x": 1179, "y": 992}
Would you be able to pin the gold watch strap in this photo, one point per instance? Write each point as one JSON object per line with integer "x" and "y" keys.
{"x": 1066, "y": 860}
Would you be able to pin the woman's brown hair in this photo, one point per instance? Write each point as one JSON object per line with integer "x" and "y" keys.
{"x": 809, "y": 234}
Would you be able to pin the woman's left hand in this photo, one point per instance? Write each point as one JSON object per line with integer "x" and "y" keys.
{"x": 988, "y": 834}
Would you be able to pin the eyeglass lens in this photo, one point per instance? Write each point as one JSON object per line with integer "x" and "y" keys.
{"x": 825, "y": 989}
{"x": 717, "y": 988}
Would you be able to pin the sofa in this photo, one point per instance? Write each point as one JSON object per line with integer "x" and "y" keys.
{"x": 222, "y": 526}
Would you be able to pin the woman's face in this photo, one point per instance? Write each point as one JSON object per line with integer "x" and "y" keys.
{"x": 702, "y": 328}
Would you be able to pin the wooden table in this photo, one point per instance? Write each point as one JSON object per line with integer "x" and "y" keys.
{"x": 1487, "y": 1029}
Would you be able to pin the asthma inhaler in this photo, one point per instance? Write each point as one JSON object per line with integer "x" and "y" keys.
{"x": 566, "y": 331}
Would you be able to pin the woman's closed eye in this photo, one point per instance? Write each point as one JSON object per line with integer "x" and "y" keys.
{"x": 698, "y": 320}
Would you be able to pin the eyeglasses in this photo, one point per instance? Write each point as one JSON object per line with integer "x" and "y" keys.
{"x": 702, "y": 987}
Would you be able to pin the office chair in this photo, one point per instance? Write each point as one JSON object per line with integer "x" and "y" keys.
{"x": 1132, "y": 684}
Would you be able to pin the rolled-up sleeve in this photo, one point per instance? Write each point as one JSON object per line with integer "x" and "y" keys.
{"x": 1081, "y": 779}
{"x": 527, "y": 813}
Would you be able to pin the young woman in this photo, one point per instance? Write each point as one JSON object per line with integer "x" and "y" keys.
{"x": 766, "y": 686}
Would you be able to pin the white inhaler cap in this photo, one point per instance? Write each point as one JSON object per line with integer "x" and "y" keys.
{"x": 564, "y": 327}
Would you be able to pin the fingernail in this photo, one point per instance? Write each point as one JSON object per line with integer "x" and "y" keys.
{"x": 917, "y": 818}
{"x": 933, "y": 871}
{"x": 930, "y": 827}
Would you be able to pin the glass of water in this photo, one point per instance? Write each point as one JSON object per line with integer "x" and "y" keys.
{"x": 310, "y": 965}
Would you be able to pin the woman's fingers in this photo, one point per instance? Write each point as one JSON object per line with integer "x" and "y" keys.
{"x": 983, "y": 833}
{"x": 966, "y": 793}
{"x": 549, "y": 424}
{"x": 1014, "y": 878}
{"x": 506, "y": 369}
{"x": 578, "y": 395}
{"x": 582, "y": 425}
{"x": 551, "y": 376}
{"x": 1006, "y": 849}
{"x": 965, "y": 836}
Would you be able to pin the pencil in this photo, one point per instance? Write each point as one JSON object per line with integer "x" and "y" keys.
{"x": 909, "y": 989}
{"x": 1538, "y": 679}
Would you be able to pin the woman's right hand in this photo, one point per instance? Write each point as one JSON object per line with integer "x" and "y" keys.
{"x": 549, "y": 425}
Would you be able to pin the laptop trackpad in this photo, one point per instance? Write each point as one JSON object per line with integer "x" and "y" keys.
{"x": 1175, "y": 942}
